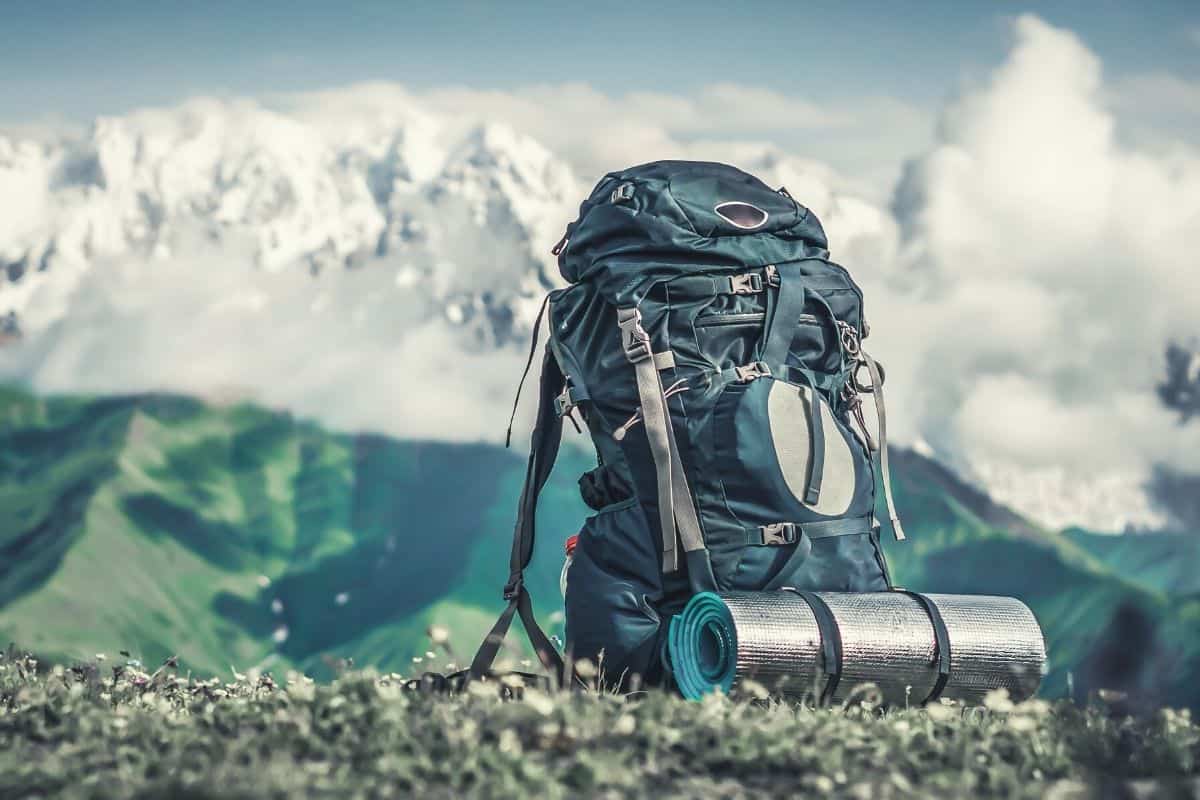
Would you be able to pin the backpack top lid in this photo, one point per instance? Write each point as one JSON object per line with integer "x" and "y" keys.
{"x": 668, "y": 217}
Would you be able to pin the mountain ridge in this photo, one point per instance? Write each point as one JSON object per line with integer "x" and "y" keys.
{"x": 237, "y": 535}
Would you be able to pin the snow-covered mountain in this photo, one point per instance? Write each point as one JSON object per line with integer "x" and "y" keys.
{"x": 462, "y": 218}
{"x": 378, "y": 265}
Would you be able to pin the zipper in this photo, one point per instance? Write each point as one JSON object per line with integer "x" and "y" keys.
{"x": 748, "y": 317}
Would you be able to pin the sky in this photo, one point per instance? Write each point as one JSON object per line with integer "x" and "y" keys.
{"x": 872, "y": 81}
{"x": 1019, "y": 194}
{"x": 77, "y": 60}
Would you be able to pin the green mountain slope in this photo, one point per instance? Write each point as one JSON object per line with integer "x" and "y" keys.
{"x": 239, "y": 536}
{"x": 1167, "y": 563}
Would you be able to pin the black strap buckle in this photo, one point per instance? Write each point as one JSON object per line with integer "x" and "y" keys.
{"x": 512, "y": 589}
{"x": 780, "y": 533}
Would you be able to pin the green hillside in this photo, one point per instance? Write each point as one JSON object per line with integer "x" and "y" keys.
{"x": 239, "y": 536}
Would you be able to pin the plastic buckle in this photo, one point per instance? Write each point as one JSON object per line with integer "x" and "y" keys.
{"x": 564, "y": 402}
{"x": 512, "y": 589}
{"x": 772, "y": 273}
{"x": 779, "y": 533}
{"x": 622, "y": 193}
{"x": 749, "y": 372}
{"x": 634, "y": 339}
{"x": 746, "y": 283}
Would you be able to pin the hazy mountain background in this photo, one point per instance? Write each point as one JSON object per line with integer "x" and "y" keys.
{"x": 260, "y": 353}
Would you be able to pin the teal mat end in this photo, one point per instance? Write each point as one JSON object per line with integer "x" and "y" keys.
{"x": 703, "y": 647}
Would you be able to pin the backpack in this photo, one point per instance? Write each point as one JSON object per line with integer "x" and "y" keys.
{"x": 714, "y": 353}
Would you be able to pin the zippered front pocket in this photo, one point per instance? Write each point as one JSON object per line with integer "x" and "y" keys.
{"x": 745, "y": 318}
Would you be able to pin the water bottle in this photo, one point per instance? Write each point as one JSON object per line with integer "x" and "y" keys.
{"x": 572, "y": 541}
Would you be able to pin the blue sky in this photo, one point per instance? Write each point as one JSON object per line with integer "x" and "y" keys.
{"x": 76, "y": 60}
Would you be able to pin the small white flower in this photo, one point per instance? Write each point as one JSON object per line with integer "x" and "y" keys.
{"x": 509, "y": 742}
{"x": 753, "y": 689}
{"x": 997, "y": 700}
{"x": 542, "y": 703}
{"x": 940, "y": 713}
{"x": 625, "y": 725}
{"x": 438, "y": 634}
{"x": 1022, "y": 723}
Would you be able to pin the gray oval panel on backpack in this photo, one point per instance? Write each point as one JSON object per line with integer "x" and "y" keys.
{"x": 741, "y": 215}
{"x": 787, "y": 412}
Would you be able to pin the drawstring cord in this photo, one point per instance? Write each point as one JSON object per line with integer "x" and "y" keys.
{"x": 675, "y": 388}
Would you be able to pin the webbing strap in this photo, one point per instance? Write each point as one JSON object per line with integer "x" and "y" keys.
{"x": 698, "y": 287}
{"x": 784, "y": 316}
{"x": 676, "y": 509}
{"x": 941, "y": 638}
{"x": 533, "y": 340}
{"x": 882, "y": 448}
{"x": 776, "y": 345}
{"x": 831, "y": 641}
{"x": 685, "y": 509}
{"x": 823, "y": 529}
{"x": 543, "y": 451}
{"x": 636, "y": 343}
{"x": 816, "y": 442}
{"x": 547, "y": 654}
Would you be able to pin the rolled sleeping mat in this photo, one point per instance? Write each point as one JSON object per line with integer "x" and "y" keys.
{"x": 914, "y": 648}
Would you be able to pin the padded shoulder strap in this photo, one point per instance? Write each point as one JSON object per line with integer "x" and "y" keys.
{"x": 543, "y": 451}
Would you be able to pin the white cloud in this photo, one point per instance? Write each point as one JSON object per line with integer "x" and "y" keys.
{"x": 1045, "y": 267}
{"x": 1158, "y": 111}
{"x": 600, "y": 132}
{"x": 1021, "y": 287}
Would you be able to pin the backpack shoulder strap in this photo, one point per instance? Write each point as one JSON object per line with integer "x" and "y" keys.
{"x": 543, "y": 451}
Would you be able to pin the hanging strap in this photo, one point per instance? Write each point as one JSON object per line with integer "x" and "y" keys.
{"x": 543, "y": 451}
{"x": 881, "y": 450}
{"x": 533, "y": 340}
{"x": 676, "y": 510}
{"x": 941, "y": 638}
{"x": 776, "y": 345}
{"x": 831, "y": 641}
{"x": 636, "y": 344}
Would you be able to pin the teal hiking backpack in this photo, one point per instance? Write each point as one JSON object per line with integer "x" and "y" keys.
{"x": 714, "y": 353}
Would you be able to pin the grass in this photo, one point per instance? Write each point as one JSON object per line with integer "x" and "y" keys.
{"x": 97, "y": 730}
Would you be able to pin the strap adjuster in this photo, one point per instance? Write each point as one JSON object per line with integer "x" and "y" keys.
{"x": 512, "y": 589}
{"x": 749, "y": 372}
{"x": 564, "y": 402}
{"x": 779, "y": 533}
{"x": 622, "y": 193}
{"x": 634, "y": 339}
{"x": 746, "y": 283}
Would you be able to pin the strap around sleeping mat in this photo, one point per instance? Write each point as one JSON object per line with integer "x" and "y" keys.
{"x": 831, "y": 641}
{"x": 941, "y": 638}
